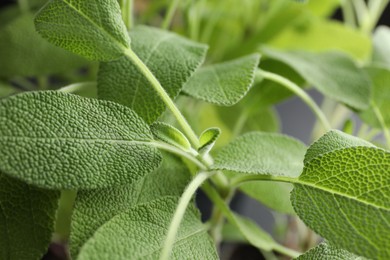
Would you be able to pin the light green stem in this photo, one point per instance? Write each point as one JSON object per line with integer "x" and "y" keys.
{"x": 180, "y": 211}
{"x": 375, "y": 9}
{"x": 348, "y": 14}
{"x": 260, "y": 177}
{"x": 362, "y": 13}
{"x": 221, "y": 204}
{"x": 169, "y": 16}
{"x": 164, "y": 96}
{"x": 179, "y": 152}
{"x": 300, "y": 93}
{"x": 127, "y": 7}
{"x": 381, "y": 120}
{"x": 72, "y": 88}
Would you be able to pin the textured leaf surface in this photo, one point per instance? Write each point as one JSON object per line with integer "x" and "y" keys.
{"x": 171, "y": 58}
{"x": 324, "y": 251}
{"x": 348, "y": 193}
{"x": 25, "y": 53}
{"x": 27, "y": 216}
{"x": 380, "y": 77}
{"x": 333, "y": 73}
{"x": 170, "y": 134}
{"x": 381, "y": 42}
{"x": 93, "y": 29}
{"x": 93, "y": 208}
{"x": 64, "y": 141}
{"x": 262, "y": 153}
{"x": 223, "y": 84}
{"x": 139, "y": 233}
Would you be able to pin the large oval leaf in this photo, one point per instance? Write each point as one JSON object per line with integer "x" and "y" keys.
{"x": 27, "y": 216}
{"x": 63, "y": 141}
{"x": 262, "y": 153}
{"x": 343, "y": 194}
{"x": 93, "y": 29}
{"x": 139, "y": 233}
{"x": 171, "y": 58}
{"x": 223, "y": 84}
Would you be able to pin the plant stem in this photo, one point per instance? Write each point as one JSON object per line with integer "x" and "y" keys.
{"x": 245, "y": 178}
{"x": 127, "y": 7}
{"x": 299, "y": 92}
{"x": 180, "y": 211}
{"x": 375, "y": 9}
{"x": 72, "y": 88}
{"x": 169, "y": 16}
{"x": 221, "y": 204}
{"x": 164, "y": 96}
{"x": 179, "y": 152}
{"x": 381, "y": 120}
{"x": 348, "y": 14}
{"x": 362, "y": 14}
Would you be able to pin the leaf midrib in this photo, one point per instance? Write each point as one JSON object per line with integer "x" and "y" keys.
{"x": 120, "y": 45}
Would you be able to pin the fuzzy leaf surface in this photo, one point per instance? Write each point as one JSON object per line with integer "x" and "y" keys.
{"x": 121, "y": 237}
{"x": 324, "y": 251}
{"x": 27, "y": 216}
{"x": 333, "y": 73}
{"x": 171, "y": 58}
{"x": 223, "y": 84}
{"x": 93, "y": 208}
{"x": 93, "y": 29}
{"x": 63, "y": 141}
{"x": 347, "y": 188}
{"x": 262, "y": 153}
{"x": 380, "y": 76}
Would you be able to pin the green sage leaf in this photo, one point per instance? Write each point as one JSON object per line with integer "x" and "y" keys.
{"x": 333, "y": 73}
{"x": 262, "y": 153}
{"x": 225, "y": 83}
{"x": 171, "y": 135}
{"x": 343, "y": 195}
{"x": 93, "y": 29}
{"x": 171, "y": 58}
{"x": 324, "y": 251}
{"x": 380, "y": 77}
{"x": 207, "y": 139}
{"x": 121, "y": 237}
{"x": 63, "y": 141}
{"x": 27, "y": 216}
{"x": 93, "y": 208}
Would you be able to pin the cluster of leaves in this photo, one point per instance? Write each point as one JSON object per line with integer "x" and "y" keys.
{"x": 134, "y": 170}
